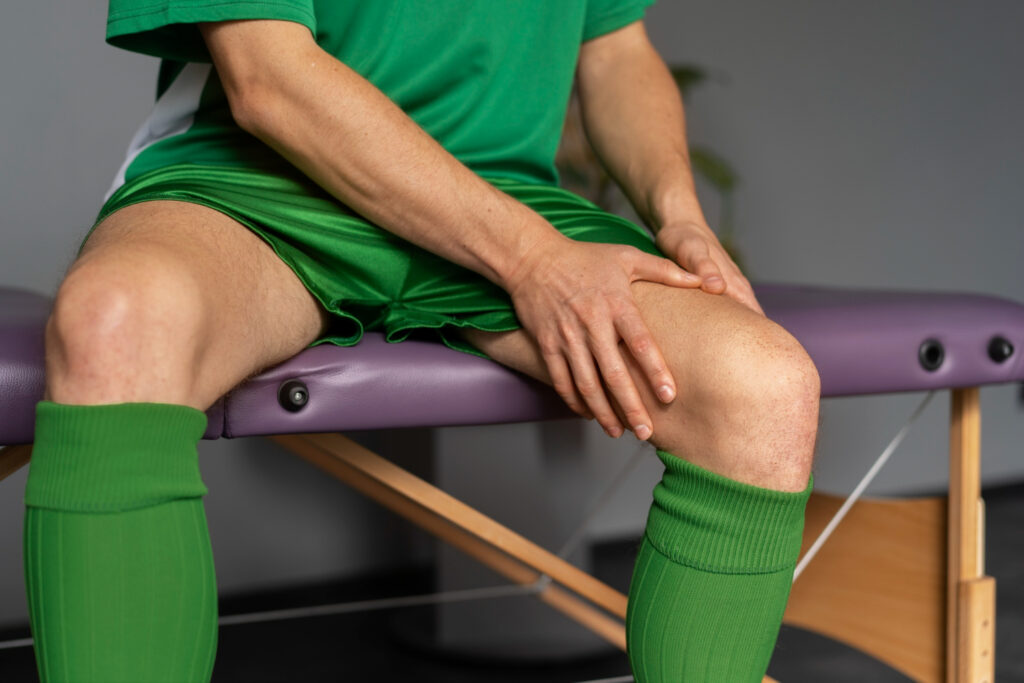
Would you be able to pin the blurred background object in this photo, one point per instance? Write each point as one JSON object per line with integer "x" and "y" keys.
{"x": 582, "y": 172}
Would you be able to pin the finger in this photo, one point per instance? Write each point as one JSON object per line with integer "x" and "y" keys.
{"x": 696, "y": 257}
{"x": 756, "y": 305}
{"x": 742, "y": 292}
{"x": 752, "y": 304}
{"x": 620, "y": 384}
{"x": 739, "y": 288}
{"x": 640, "y": 342}
{"x": 748, "y": 301}
{"x": 662, "y": 270}
{"x": 561, "y": 380}
{"x": 588, "y": 384}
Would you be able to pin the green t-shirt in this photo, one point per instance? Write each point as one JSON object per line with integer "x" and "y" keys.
{"x": 488, "y": 79}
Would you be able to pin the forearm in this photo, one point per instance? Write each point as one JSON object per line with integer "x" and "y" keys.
{"x": 633, "y": 116}
{"x": 634, "y": 119}
{"x": 574, "y": 297}
{"x": 357, "y": 144}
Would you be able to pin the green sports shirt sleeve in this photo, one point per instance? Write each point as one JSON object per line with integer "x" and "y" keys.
{"x": 605, "y": 16}
{"x": 167, "y": 28}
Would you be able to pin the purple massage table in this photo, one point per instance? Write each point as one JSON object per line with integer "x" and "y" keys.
{"x": 901, "y": 580}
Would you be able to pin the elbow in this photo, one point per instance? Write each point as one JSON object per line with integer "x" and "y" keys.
{"x": 256, "y": 63}
{"x": 253, "y": 108}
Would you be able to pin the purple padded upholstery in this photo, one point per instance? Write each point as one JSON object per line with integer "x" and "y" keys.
{"x": 22, "y": 322}
{"x": 377, "y": 385}
{"x": 866, "y": 341}
{"x": 863, "y": 342}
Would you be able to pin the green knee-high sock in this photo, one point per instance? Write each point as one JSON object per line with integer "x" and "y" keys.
{"x": 712, "y": 578}
{"x": 118, "y": 563}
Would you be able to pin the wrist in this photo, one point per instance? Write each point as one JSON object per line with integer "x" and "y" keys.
{"x": 691, "y": 224}
{"x": 673, "y": 201}
{"x": 539, "y": 242}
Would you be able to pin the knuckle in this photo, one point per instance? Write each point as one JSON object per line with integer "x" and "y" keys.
{"x": 658, "y": 371}
{"x": 565, "y": 389}
{"x": 636, "y": 417}
{"x": 641, "y": 345}
{"x": 616, "y": 374}
{"x": 567, "y": 330}
{"x": 578, "y": 305}
{"x": 592, "y": 310}
{"x": 622, "y": 305}
{"x": 549, "y": 346}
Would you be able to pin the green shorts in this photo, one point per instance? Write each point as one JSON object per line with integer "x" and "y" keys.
{"x": 365, "y": 277}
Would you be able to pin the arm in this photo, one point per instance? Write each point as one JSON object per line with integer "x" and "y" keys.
{"x": 633, "y": 117}
{"x": 351, "y": 139}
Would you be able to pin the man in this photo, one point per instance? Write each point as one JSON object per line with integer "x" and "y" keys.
{"x": 388, "y": 165}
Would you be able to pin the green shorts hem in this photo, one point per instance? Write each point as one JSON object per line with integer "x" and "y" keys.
{"x": 445, "y": 330}
{"x": 366, "y": 278}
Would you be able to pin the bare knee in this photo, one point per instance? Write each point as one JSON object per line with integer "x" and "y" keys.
{"x": 124, "y": 330}
{"x": 748, "y": 393}
{"x": 750, "y": 404}
{"x": 778, "y": 389}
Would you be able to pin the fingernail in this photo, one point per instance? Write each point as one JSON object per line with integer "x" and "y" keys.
{"x": 665, "y": 393}
{"x": 713, "y": 280}
{"x": 613, "y": 432}
{"x": 643, "y": 432}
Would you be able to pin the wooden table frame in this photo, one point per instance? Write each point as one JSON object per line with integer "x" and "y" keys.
{"x": 903, "y": 580}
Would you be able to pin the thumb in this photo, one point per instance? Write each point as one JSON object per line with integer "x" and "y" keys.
{"x": 662, "y": 270}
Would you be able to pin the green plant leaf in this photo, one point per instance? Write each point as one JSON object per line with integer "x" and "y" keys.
{"x": 687, "y": 76}
{"x": 712, "y": 168}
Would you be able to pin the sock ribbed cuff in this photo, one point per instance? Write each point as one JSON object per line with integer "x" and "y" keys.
{"x": 111, "y": 458}
{"x": 707, "y": 521}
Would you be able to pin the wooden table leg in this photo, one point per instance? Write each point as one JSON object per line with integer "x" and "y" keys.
{"x": 970, "y": 595}
{"x": 451, "y": 520}
{"x": 13, "y": 458}
{"x": 465, "y": 528}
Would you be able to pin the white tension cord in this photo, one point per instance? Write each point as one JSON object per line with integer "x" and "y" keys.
{"x": 572, "y": 542}
{"x": 838, "y": 517}
{"x": 486, "y": 593}
{"x": 864, "y": 482}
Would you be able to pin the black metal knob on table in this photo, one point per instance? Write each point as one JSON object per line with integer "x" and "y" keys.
{"x": 1000, "y": 349}
{"x": 293, "y": 395}
{"x": 931, "y": 354}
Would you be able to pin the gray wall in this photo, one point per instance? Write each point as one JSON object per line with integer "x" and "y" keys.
{"x": 878, "y": 145}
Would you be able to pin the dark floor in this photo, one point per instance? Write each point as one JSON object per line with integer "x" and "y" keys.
{"x": 375, "y": 646}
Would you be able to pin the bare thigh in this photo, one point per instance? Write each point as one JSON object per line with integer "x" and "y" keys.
{"x": 747, "y": 393}
{"x": 173, "y": 302}
{"x": 687, "y": 324}
{"x": 686, "y": 319}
